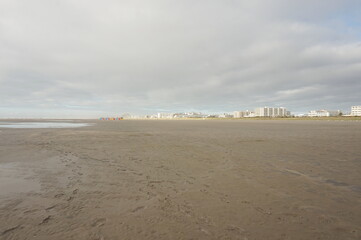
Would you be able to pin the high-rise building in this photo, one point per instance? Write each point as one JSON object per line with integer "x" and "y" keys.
{"x": 272, "y": 112}
{"x": 356, "y": 111}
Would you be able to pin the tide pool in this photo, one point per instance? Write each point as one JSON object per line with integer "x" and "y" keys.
{"x": 42, "y": 125}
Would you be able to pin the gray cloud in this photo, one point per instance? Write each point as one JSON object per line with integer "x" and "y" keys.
{"x": 86, "y": 58}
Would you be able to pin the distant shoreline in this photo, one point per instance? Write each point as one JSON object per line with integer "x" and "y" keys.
{"x": 254, "y": 118}
{"x": 344, "y": 118}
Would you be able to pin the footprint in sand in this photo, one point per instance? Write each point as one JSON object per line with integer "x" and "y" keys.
{"x": 51, "y": 207}
{"x": 45, "y": 220}
{"x": 10, "y": 230}
{"x": 137, "y": 209}
{"x": 59, "y": 195}
{"x": 98, "y": 222}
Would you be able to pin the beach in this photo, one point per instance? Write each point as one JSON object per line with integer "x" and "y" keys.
{"x": 174, "y": 179}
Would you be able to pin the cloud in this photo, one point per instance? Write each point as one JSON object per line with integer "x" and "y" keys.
{"x": 140, "y": 56}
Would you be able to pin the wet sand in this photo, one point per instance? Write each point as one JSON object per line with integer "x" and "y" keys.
{"x": 182, "y": 180}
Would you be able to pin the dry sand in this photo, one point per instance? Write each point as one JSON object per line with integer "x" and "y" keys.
{"x": 182, "y": 180}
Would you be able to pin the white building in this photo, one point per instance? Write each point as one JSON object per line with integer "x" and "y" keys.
{"x": 356, "y": 111}
{"x": 323, "y": 113}
{"x": 272, "y": 112}
{"x": 241, "y": 114}
{"x": 225, "y": 115}
{"x": 165, "y": 115}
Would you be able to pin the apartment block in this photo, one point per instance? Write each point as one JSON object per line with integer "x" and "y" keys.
{"x": 356, "y": 111}
{"x": 272, "y": 112}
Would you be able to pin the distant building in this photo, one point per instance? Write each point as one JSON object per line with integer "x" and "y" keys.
{"x": 272, "y": 112}
{"x": 323, "y": 113}
{"x": 190, "y": 115}
{"x": 126, "y": 116}
{"x": 165, "y": 115}
{"x": 195, "y": 115}
{"x": 225, "y": 115}
{"x": 251, "y": 114}
{"x": 242, "y": 114}
{"x": 110, "y": 118}
{"x": 237, "y": 114}
{"x": 356, "y": 111}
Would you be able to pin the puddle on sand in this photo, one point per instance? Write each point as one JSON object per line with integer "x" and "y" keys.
{"x": 42, "y": 125}
{"x": 12, "y": 185}
{"x": 12, "y": 180}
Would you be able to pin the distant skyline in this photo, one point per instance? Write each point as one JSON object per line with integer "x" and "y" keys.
{"x": 85, "y": 59}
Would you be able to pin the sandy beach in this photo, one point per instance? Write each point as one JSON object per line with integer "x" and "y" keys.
{"x": 194, "y": 179}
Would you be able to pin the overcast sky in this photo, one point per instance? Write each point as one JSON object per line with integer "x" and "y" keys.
{"x": 87, "y": 58}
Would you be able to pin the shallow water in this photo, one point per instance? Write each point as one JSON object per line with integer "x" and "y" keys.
{"x": 42, "y": 125}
